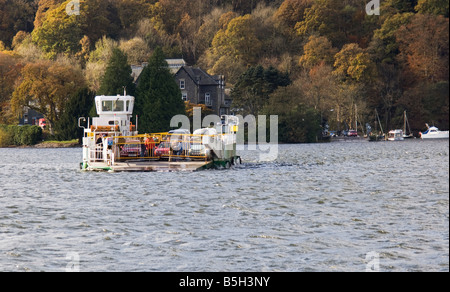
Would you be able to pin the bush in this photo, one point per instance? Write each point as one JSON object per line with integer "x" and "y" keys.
{"x": 5, "y": 138}
{"x": 30, "y": 135}
{"x": 19, "y": 135}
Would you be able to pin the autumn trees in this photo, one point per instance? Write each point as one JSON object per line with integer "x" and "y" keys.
{"x": 424, "y": 57}
{"x": 342, "y": 63}
{"x": 10, "y": 68}
{"x": 412, "y": 38}
{"x": 15, "y": 16}
{"x": 46, "y": 86}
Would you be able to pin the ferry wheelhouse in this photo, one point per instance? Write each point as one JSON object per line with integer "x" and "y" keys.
{"x": 111, "y": 142}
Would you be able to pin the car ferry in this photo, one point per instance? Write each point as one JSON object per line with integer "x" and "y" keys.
{"x": 111, "y": 142}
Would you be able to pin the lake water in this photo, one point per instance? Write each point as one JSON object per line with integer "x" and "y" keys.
{"x": 341, "y": 206}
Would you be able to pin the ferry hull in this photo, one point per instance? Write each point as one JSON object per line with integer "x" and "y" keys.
{"x": 159, "y": 166}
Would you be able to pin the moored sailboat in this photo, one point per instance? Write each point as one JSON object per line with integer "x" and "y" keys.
{"x": 377, "y": 136}
{"x": 406, "y": 123}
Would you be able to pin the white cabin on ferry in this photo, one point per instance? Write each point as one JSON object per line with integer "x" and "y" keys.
{"x": 114, "y": 115}
{"x": 113, "y": 121}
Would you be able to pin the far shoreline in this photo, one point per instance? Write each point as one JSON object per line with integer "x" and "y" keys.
{"x": 47, "y": 145}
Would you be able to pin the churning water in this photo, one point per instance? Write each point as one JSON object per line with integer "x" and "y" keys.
{"x": 317, "y": 207}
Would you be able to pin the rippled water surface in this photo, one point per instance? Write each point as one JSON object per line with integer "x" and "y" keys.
{"x": 317, "y": 207}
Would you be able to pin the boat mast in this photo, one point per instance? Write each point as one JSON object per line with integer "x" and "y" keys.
{"x": 406, "y": 123}
{"x": 379, "y": 122}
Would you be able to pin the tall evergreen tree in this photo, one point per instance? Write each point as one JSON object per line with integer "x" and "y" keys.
{"x": 78, "y": 106}
{"x": 158, "y": 97}
{"x": 117, "y": 75}
{"x": 253, "y": 88}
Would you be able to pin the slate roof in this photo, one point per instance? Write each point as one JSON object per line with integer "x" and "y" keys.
{"x": 173, "y": 64}
{"x": 199, "y": 76}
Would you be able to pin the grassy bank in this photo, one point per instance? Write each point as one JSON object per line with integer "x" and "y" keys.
{"x": 58, "y": 144}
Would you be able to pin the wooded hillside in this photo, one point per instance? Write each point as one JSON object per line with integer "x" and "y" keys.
{"x": 322, "y": 61}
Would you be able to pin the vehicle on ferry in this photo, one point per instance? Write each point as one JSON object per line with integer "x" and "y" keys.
{"x": 162, "y": 149}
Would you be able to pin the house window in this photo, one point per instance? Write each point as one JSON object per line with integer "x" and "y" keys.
{"x": 182, "y": 84}
{"x": 208, "y": 98}
{"x": 184, "y": 96}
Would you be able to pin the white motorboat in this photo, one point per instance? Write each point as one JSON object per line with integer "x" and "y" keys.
{"x": 433, "y": 133}
{"x": 395, "y": 135}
